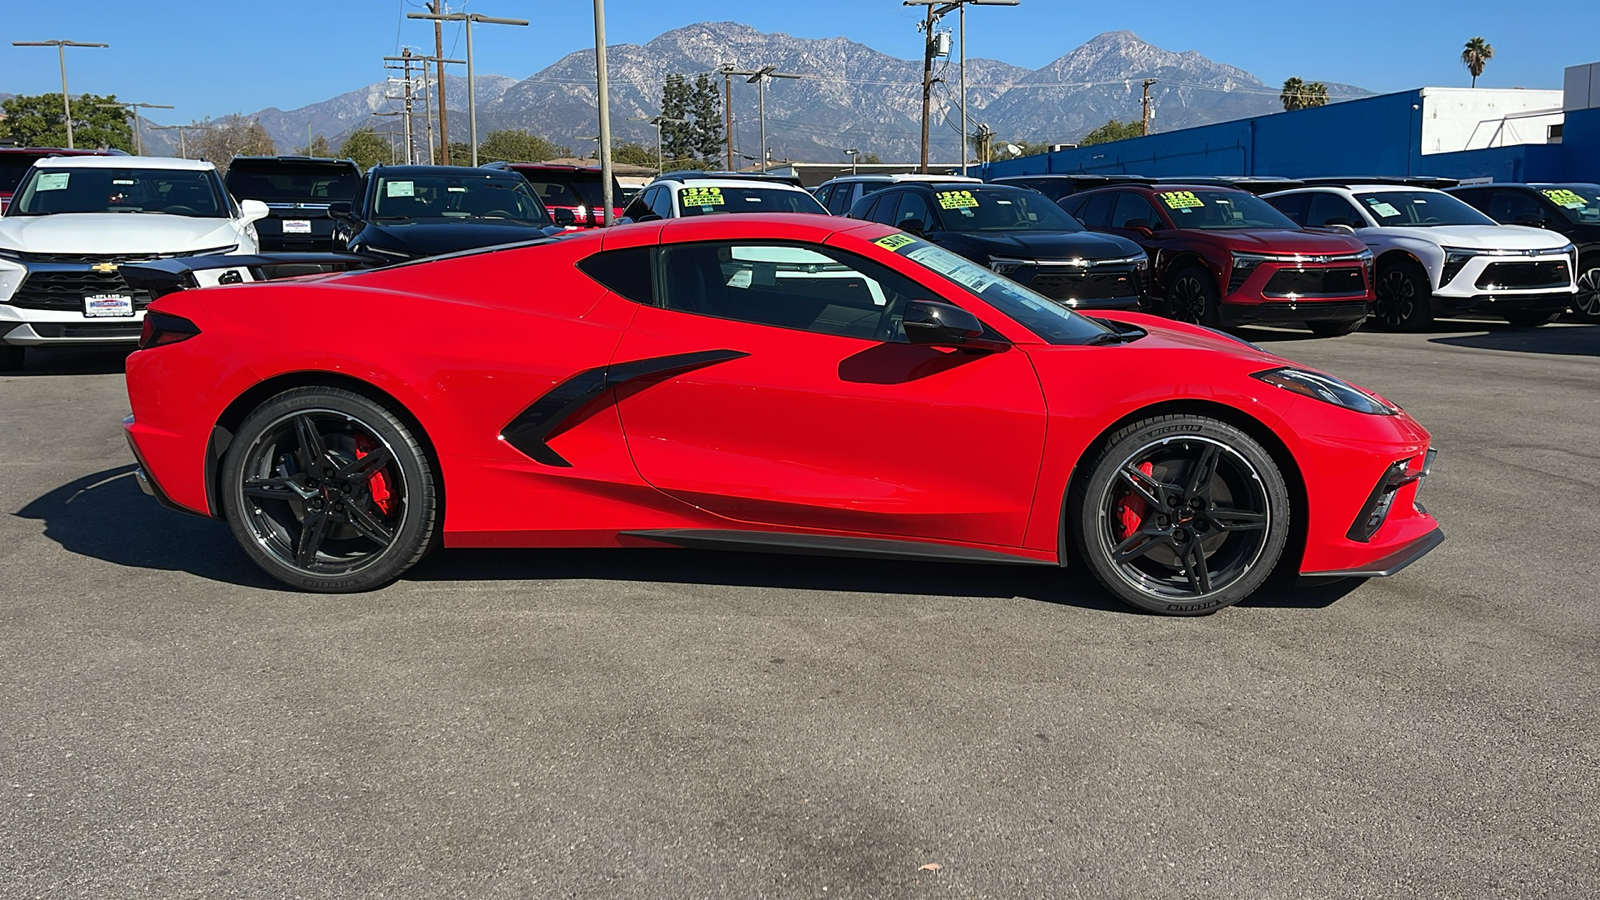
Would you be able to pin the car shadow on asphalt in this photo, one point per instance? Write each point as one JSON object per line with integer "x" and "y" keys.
{"x": 42, "y": 362}
{"x": 1562, "y": 340}
{"x": 107, "y": 517}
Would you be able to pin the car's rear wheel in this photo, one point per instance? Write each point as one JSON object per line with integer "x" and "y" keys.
{"x": 1334, "y": 329}
{"x": 1192, "y": 297}
{"x": 328, "y": 491}
{"x": 11, "y": 358}
{"x": 1181, "y": 515}
{"x": 1586, "y": 304}
{"x": 1533, "y": 318}
{"x": 1403, "y": 298}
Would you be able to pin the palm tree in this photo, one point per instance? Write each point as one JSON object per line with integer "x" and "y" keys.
{"x": 1294, "y": 95}
{"x": 1475, "y": 56}
{"x": 1316, "y": 94}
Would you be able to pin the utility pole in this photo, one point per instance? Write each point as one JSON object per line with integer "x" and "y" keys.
{"x": 405, "y": 61}
{"x": 727, "y": 107}
{"x": 437, "y": 8}
{"x": 183, "y": 147}
{"x": 928, "y": 48}
{"x": 472, "y": 101}
{"x": 61, "y": 52}
{"x": 138, "y": 140}
{"x": 604, "y": 88}
{"x": 759, "y": 78}
{"x": 853, "y": 154}
{"x": 422, "y": 69}
{"x": 659, "y": 121}
{"x": 939, "y": 8}
{"x": 1145, "y": 104}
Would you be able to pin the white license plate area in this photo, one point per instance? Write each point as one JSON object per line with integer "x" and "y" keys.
{"x": 296, "y": 226}
{"x": 108, "y": 306}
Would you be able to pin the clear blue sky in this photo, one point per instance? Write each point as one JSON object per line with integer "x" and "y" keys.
{"x": 217, "y": 56}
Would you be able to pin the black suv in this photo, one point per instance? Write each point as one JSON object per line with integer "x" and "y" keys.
{"x": 1060, "y": 187}
{"x": 298, "y": 190}
{"x": 1018, "y": 233}
{"x": 1569, "y": 209}
{"x": 409, "y": 212}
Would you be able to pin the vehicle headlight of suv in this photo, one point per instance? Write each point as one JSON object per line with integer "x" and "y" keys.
{"x": 1326, "y": 388}
{"x": 1456, "y": 259}
{"x": 1245, "y": 263}
{"x": 1007, "y": 267}
{"x": 11, "y": 275}
{"x": 9, "y": 254}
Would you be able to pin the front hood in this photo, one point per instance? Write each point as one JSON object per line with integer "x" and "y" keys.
{"x": 433, "y": 238}
{"x": 112, "y": 233}
{"x": 1055, "y": 245}
{"x": 1281, "y": 241}
{"x": 1484, "y": 237}
{"x": 1166, "y": 334}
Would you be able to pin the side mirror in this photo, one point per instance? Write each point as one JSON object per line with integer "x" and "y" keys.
{"x": 648, "y": 217}
{"x": 566, "y": 218}
{"x": 913, "y": 226}
{"x": 1341, "y": 227}
{"x": 937, "y": 324}
{"x": 253, "y": 210}
{"x": 1140, "y": 227}
{"x": 341, "y": 209}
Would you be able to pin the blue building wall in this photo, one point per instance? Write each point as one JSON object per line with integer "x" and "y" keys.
{"x": 1373, "y": 136}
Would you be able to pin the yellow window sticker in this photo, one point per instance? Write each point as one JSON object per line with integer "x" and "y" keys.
{"x": 701, "y": 196}
{"x": 956, "y": 200}
{"x": 1567, "y": 199}
{"x": 1181, "y": 200}
{"x": 894, "y": 242}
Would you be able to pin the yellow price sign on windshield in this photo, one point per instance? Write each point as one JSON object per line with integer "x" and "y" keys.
{"x": 701, "y": 196}
{"x": 1566, "y": 198}
{"x": 1181, "y": 200}
{"x": 895, "y": 242}
{"x": 956, "y": 200}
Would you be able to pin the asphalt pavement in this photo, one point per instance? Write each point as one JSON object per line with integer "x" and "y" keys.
{"x": 663, "y": 724}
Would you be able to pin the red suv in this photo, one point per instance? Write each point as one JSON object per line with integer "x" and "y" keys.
{"x": 1221, "y": 256}
{"x": 15, "y": 161}
{"x": 568, "y": 187}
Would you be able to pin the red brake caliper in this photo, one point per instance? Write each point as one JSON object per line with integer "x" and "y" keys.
{"x": 1131, "y": 512}
{"x": 379, "y": 483}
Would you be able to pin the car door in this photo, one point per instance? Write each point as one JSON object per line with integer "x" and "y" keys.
{"x": 803, "y": 407}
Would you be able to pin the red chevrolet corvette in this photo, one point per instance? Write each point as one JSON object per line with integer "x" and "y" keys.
{"x": 779, "y": 383}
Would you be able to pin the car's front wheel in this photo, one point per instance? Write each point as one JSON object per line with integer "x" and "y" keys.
{"x": 1181, "y": 515}
{"x": 1586, "y": 303}
{"x": 1403, "y": 298}
{"x": 1192, "y": 297}
{"x": 328, "y": 491}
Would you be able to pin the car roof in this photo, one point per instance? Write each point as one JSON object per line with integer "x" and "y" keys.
{"x": 1076, "y": 178}
{"x": 907, "y": 176}
{"x": 729, "y": 183}
{"x": 298, "y": 160}
{"x": 1366, "y": 181}
{"x": 124, "y": 162}
{"x": 461, "y": 171}
{"x": 699, "y": 175}
{"x": 539, "y": 167}
{"x": 60, "y": 151}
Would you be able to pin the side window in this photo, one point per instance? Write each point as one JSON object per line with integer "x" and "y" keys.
{"x": 661, "y": 203}
{"x": 883, "y": 210}
{"x": 625, "y": 272}
{"x": 1133, "y": 209}
{"x": 1477, "y": 198}
{"x": 1096, "y": 209}
{"x": 843, "y": 194}
{"x": 824, "y": 194}
{"x": 1331, "y": 209}
{"x": 1514, "y": 207}
{"x": 820, "y": 290}
{"x": 1294, "y": 206}
{"x": 914, "y": 206}
{"x": 639, "y": 207}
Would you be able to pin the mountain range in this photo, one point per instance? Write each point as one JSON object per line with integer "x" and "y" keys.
{"x": 850, "y": 95}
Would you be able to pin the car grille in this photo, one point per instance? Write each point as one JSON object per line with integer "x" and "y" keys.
{"x": 66, "y": 290}
{"x": 1338, "y": 281}
{"x": 1525, "y": 276}
{"x": 1080, "y": 284}
{"x": 122, "y": 329}
{"x": 89, "y": 259}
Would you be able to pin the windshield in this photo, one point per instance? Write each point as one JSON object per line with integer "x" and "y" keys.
{"x": 1052, "y": 322}
{"x": 708, "y": 201}
{"x": 292, "y": 182}
{"x": 568, "y": 189}
{"x": 1579, "y": 203}
{"x": 1221, "y": 210}
{"x": 173, "y": 192}
{"x": 1420, "y": 208}
{"x": 12, "y": 167}
{"x": 1001, "y": 210}
{"x": 456, "y": 198}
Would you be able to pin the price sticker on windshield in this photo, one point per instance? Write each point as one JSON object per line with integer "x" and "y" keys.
{"x": 1566, "y": 199}
{"x": 52, "y": 181}
{"x": 1181, "y": 200}
{"x": 895, "y": 242}
{"x": 956, "y": 200}
{"x": 701, "y": 196}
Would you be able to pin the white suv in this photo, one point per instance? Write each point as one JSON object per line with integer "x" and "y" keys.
{"x": 1438, "y": 256}
{"x": 75, "y": 219}
{"x": 678, "y": 195}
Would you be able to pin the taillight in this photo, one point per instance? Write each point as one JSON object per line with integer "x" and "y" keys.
{"x": 161, "y": 329}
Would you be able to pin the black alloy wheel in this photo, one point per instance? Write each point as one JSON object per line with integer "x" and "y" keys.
{"x": 1192, "y": 297}
{"x": 1181, "y": 515}
{"x": 1586, "y": 304}
{"x": 1403, "y": 298}
{"x": 328, "y": 491}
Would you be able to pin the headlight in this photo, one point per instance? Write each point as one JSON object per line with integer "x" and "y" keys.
{"x": 1456, "y": 259}
{"x": 1006, "y": 267}
{"x": 10, "y": 254}
{"x": 1244, "y": 264}
{"x": 11, "y": 275}
{"x": 1141, "y": 262}
{"x": 382, "y": 251}
{"x": 1325, "y": 388}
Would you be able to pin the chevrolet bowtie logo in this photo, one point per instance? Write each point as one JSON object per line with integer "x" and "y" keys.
{"x": 104, "y": 267}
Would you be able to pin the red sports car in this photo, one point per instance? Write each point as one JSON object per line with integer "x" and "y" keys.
{"x": 782, "y": 383}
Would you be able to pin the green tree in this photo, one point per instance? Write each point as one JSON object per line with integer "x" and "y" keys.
{"x": 705, "y": 111}
{"x": 220, "y": 140}
{"x": 1298, "y": 94}
{"x": 368, "y": 148}
{"x": 1114, "y": 130}
{"x": 633, "y": 154}
{"x": 319, "y": 147}
{"x": 460, "y": 153}
{"x": 39, "y": 121}
{"x": 516, "y": 146}
{"x": 677, "y": 141}
{"x": 1475, "y": 56}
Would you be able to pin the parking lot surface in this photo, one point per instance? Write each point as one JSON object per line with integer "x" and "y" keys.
{"x": 686, "y": 724}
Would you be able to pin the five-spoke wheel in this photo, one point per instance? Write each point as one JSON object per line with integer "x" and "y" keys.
{"x": 1181, "y": 515}
{"x": 327, "y": 491}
